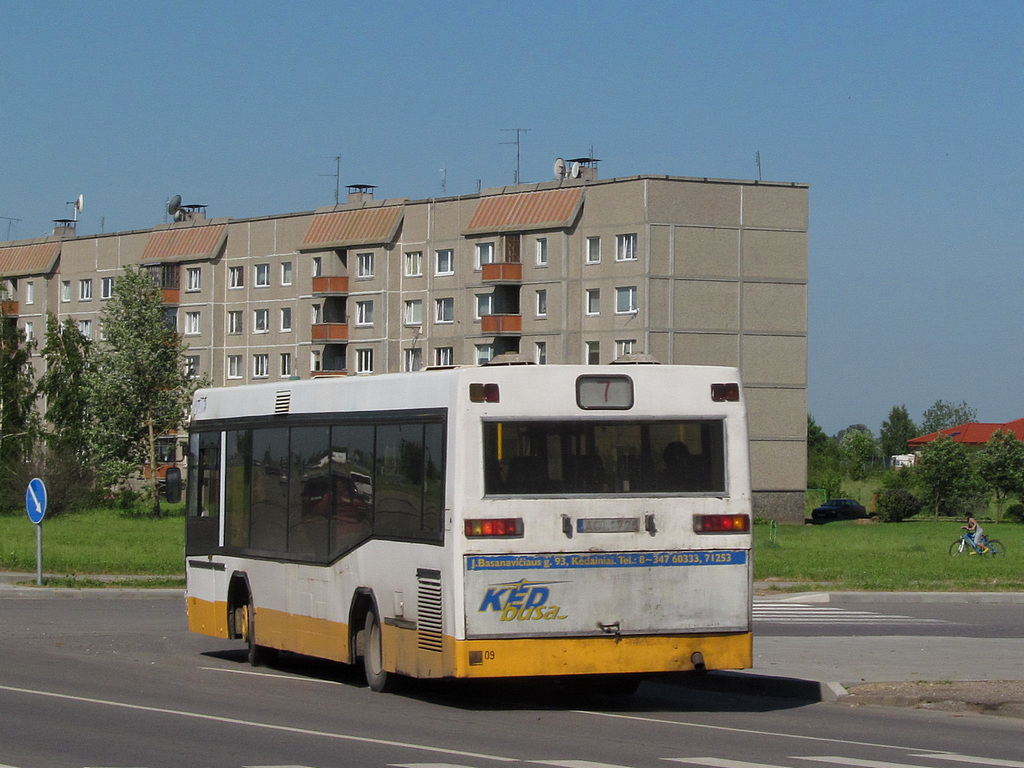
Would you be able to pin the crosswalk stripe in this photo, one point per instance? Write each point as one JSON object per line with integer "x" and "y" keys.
{"x": 855, "y": 762}
{"x": 428, "y": 765}
{"x": 718, "y": 762}
{"x": 577, "y": 764}
{"x": 974, "y": 760}
{"x": 819, "y": 614}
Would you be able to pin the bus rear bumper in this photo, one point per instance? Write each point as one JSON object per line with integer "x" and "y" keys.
{"x": 537, "y": 657}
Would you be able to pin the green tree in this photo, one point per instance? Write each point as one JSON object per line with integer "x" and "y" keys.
{"x": 1001, "y": 466}
{"x": 947, "y": 475}
{"x": 896, "y": 431}
{"x": 139, "y": 386}
{"x": 944, "y": 414}
{"x": 18, "y": 422}
{"x": 859, "y": 450}
{"x": 823, "y": 460}
{"x": 65, "y": 385}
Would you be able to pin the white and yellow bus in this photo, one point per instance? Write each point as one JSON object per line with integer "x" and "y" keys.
{"x": 497, "y": 521}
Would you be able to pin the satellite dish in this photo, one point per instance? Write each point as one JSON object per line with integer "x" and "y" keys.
{"x": 574, "y": 171}
{"x": 559, "y": 168}
{"x": 80, "y": 203}
{"x": 174, "y": 205}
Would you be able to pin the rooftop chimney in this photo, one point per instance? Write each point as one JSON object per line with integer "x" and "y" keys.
{"x": 360, "y": 193}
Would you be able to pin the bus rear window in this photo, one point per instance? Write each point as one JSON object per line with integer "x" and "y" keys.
{"x": 536, "y": 458}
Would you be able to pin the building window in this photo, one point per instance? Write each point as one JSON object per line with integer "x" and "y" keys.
{"x": 592, "y": 301}
{"x": 364, "y": 313}
{"x": 542, "y": 303}
{"x": 318, "y": 266}
{"x": 192, "y": 366}
{"x": 262, "y": 279}
{"x": 484, "y": 304}
{"x": 414, "y": 312}
{"x": 261, "y": 320}
{"x": 286, "y": 364}
{"x": 542, "y": 251}
{"x": 234, "y": 322}
{"x": 624, "y": 347}
{"x": 315, "y": 360}
{"x": 540, "y": 353}
{"x": 414, "y": 264}
{"x": 364, "y": 265}
{"x": 286, "y": 318}
{"x": 286, "y": 273}
{"x": 625, "y": 300}
{"x": 85, "y": 328}
{"x": 85, "y": 290}
{"x": 592, "y": 351}
{"x": 193, "y": 278}
{"x": 444, "y": 310}
{"x": 65, "y": 290}
{"x": 625, "y": 247}
{"x": 260, "y": 366}
{"x": 444, "y": 356}
{"x": 30, "y": 292}
{"x": 317, "y": 314}
{"x": 234, "y": 366}
{"x": 30, "y": 330}
{"x": 445, "y": 264}
{"x": 171, "y": 317}
{"x": 192, "y": 323}
{"x": 413, "y": 360}
{"x": 593, "y": 250}
{"x": 484, "y": 254}
{"x": 236, "y": 277}
{"x": 364, "y": 361}
{"x": 106, "y": 287}
{"x": 484, "y": 353}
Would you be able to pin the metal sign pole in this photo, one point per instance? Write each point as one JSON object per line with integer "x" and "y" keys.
{"x": 39, "y": 554}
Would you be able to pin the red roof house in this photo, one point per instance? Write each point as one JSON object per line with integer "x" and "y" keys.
{"x": 972, "y": 433}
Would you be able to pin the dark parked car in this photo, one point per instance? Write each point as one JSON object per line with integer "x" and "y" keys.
{"x": 839, "y": 509}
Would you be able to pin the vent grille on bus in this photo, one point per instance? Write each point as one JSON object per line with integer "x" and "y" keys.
{"x": 283, "y": 401}
{"x": 428, "y": 598}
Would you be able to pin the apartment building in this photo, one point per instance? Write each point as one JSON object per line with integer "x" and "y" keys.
{"x": 577, "y": 270}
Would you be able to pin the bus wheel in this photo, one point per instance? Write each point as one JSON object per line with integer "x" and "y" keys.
{"x": 377, "y": 677}
{"x": 259, "y": 655}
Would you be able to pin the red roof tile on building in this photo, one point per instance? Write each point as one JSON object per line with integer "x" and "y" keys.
{"x": 344, "y": 229}
{"x": 547, "y": 209}
{"x": 196, "y": 242}
{"x": 971, "y": 433}
{"x": 35, "y": 259}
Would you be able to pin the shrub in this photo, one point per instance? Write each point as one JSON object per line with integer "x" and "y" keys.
{"x": 896, "y": 504}
{"x": 1015, "y": 512}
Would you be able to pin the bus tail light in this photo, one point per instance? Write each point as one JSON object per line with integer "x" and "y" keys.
{"x": 497, "y": 527}
{"x": 484, "y": 393}
{"x": 721, "y": 523}
{"x": 725, "y": 393}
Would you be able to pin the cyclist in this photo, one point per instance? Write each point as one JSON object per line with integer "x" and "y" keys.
{"x": 975, "y": 533}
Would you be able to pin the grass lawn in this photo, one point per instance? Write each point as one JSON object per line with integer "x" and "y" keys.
{"x": 912, "y": 555}
{"x": 842, "y": 555}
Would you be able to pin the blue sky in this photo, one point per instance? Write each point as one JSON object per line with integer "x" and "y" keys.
{"x": 904, "y": 117}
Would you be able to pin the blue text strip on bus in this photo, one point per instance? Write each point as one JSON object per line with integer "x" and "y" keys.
{"x": 606, "y": 560}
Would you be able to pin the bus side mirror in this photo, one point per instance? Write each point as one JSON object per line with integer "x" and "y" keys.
{"x": 172, "y": 485}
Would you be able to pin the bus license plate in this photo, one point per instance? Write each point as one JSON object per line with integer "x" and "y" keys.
{"x": 608, "y": 525}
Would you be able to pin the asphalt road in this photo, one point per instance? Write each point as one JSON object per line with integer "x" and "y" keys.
{"x": 117, "y": 681}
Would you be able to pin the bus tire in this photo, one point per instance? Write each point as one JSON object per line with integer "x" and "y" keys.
{"x": 378, "y": 678}
{"x": 258, "y": 655}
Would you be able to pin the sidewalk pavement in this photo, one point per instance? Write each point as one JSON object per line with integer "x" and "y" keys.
{"x": 877, "y": 669}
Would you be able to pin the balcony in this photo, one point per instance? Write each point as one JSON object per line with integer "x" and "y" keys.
{"x": 330, "y": 332}
{"x": 9, "y": 308}
{"x": 502, "y": 272}
{"x": 170, "y": 295}
{"x": 330, "y": 285}
{"x": 499, "y": 325}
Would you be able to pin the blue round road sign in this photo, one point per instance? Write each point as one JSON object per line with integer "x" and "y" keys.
{"x": 35, "y": 500}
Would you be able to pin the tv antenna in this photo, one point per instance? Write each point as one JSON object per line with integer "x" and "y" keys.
{"x": 9, "y": 221}
{"x": 337, "y": 177}
{"x": 757, "y": 159}
{"x": 518, "y": 132}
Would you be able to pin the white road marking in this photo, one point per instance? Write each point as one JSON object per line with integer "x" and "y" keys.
{"x": 975, "y": 760}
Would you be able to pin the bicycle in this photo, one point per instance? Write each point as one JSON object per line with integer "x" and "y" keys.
{"x": 966, "y": 544}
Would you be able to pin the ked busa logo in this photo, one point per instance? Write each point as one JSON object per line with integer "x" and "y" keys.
{"x": 521, "y": 601}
